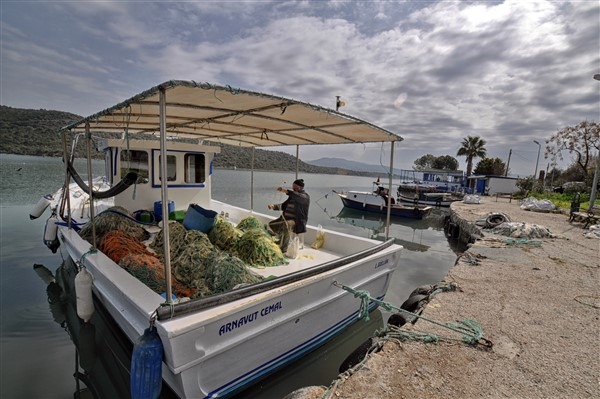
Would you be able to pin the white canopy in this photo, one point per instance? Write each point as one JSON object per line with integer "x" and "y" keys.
{"x": 232, "y": 116}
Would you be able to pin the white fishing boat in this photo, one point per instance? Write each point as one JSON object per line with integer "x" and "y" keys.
{"x": 211, "y": 345}
{"x": 379, "y": 201}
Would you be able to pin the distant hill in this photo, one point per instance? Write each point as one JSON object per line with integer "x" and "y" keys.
{"x": 35, "y": 132}
{"x": 352, "y": 165}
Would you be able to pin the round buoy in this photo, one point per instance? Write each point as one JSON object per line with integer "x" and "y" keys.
{"x": 83, "y": 291}
{"x": 51, "y": 233}
{"x": 412, "y": 304}
{"x": 87, "y": 346}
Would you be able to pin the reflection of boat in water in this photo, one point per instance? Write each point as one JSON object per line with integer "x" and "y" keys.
{"x": 103, "y": 351}
{"x": 425, "y": 198}
{"x": 405, "y": 232}
{"x": 376, "y": 202}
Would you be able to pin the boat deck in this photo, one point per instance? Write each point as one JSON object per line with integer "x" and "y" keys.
{"x": 307, "y": 257}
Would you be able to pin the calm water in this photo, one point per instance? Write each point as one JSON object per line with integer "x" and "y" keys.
{"x": 37, "y": 355}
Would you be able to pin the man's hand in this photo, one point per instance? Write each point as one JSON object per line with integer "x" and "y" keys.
{"x": 281, "y": 189}
{"x": 271, "y": 206}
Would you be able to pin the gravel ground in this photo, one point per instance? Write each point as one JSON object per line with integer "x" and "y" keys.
{"x": 538, "y": 302}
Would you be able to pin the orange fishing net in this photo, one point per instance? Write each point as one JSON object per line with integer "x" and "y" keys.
{"x": 132, "y": 255}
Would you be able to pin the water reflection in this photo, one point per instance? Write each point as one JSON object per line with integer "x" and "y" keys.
{"x": 406, "y": 232}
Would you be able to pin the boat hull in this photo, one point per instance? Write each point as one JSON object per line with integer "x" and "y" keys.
{"x": 435, "y": 200}
{"x": 368, "y": 202}
{"x": 223, "y": 349}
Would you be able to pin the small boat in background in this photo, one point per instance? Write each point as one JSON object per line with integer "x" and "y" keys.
{"x": 377, "y": 202}
{"x": 432, "y": 199}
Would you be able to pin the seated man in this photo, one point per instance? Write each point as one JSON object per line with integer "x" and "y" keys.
{"x": 294, "y": 213}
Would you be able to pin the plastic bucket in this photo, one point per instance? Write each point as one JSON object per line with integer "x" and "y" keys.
{"x": 158, "y": 209}
{"x": 198, "y": 218}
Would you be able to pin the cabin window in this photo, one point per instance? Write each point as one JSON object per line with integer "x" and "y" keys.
{"x": 171, "y": 168}
{"x": 135, "y": 161}
{"x": 194, "y": 168}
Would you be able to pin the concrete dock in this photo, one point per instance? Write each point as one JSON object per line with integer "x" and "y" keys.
{"x": 536, "y": 299}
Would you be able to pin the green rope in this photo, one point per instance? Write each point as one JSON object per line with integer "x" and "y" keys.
{"x": 90, "y": 252}
{"x": 470, "y": 330}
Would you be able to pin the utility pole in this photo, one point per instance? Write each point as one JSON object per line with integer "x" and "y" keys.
{"x": 508, "y": 163}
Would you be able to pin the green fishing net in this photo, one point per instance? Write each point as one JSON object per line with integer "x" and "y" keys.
{"x": 224, "y": 235}
{"x": 225, "y": 272}
{"x": 115, "y": 218}
{"x": 250, "y": 223}
{"x": 256, "y": 248}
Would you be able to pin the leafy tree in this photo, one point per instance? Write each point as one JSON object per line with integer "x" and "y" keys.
{"x": 490, "y": 166}
{"x": 425, "y": 162}
{"x": 472, "y": 147}
{"x": 582, "y": 141}
{"x": 444, "y": 162}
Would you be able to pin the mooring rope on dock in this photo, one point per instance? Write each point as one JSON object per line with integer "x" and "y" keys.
{"x": 470, "y": 330}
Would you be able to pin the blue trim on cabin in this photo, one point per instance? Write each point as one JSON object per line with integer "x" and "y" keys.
{"x": 186, "y": 185}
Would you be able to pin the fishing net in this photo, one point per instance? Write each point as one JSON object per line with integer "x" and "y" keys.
{"x": 176, "y": 239}
{"x": 256, "y": 248}
{"x": 150, "y": 271}
{"x": 115, "y": 218}
{"x": 225, "y": 272}
{"x": 116, "y": 244}
{"x": 224, "y": 235}
{"x": 250, "y": 223}
{"x": 189, "y": 262}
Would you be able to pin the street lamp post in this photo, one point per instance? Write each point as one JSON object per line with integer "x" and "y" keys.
{"x": 538, "y": 158}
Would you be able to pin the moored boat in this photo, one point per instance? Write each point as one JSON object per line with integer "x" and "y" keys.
{"x": 427, "y": 198}
{"x": 377, "y": 203}
{"x": 215, "y": 342}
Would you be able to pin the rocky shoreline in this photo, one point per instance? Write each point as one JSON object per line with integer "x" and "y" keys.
{"x": 537, "y": 301}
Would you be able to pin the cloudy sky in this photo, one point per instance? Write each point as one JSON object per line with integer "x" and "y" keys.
{"x": 433, "y": 72}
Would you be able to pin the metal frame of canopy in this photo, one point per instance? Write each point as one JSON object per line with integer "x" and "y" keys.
{"x": 231, "y": 116}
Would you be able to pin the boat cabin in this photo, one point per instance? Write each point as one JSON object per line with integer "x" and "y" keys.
{"x": 189, "y": 171}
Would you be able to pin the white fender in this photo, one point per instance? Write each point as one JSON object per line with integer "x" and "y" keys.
{"x": 40, "y": 207}
{"x": 51, "y": 229}
{"x": 83, "y": 290}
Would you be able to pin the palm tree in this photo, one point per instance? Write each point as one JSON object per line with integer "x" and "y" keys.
{"x": 472, "y": 147}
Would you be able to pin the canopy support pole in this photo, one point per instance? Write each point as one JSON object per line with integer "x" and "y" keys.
{"x": 164, "y": 192}
{"x": 389, "y": 199}
{"x": 66, "y": 193}
{"x": 252, "y": 181}
{"x": 297, "y": 159}
{"x": 88, "y": 141}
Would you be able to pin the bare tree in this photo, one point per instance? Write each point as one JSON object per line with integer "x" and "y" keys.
{"x": 582, "y": 140}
